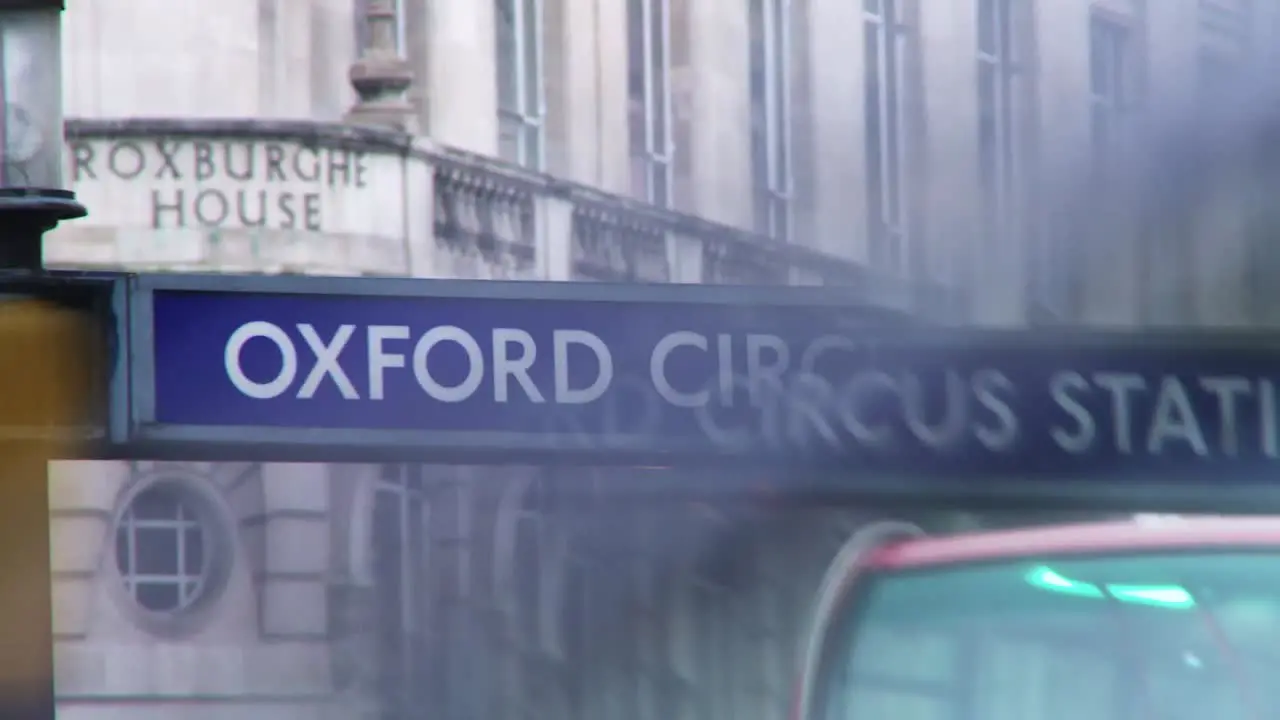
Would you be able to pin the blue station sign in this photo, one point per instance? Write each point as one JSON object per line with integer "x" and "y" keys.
{"x": 501, "y": 370}
{"x": 530, "y": 372}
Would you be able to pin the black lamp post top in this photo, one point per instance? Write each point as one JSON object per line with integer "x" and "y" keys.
{"x": 31, "y": 202}
{"x": 9, "y": 5}
{"x": 26, "y": 214}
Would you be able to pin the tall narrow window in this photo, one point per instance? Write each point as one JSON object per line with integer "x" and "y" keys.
{"x": 1261, "y": 228}
{"x": 883, "y": 48}
{"x": 1239, "y": 186}
{"x": 520, "y": 82}
{"x": 649, "y": 99}
{"x": 1109, "y": 75}
{"x": 770, "y": 64}
{"x": 1165, "y": 225}
{"x": 997, "y": 131}
{"x": 400, "y": 572}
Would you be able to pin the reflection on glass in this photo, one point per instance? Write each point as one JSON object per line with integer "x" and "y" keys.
{"x": 1162, "y": 635}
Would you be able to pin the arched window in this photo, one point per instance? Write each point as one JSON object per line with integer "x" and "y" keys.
{"x": 717, "y": 618}
{"x": 530, "y": 585}
{"x": 530, "y": 565}
{"x": 399, "y": 538}
{"x": 174, "y": 550}
{"x": 717, "y": 642}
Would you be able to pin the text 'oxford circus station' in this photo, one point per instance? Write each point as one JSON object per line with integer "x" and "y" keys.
{"x": 756, "y": 387}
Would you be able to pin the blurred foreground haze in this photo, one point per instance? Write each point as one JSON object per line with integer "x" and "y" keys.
{"x": 980, "y": 162}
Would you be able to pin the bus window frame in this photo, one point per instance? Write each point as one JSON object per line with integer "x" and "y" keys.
{"x": 847, "y": 612}
{"x": 847, "y": 609}
{"x": 841, "y": 574}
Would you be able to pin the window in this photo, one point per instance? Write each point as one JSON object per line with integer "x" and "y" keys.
{"x": 364, "y": 38}
{"x": 521, "y": 92}
{"x": 1109, "y": 90}
{"x": 649, "y": 99}
{"x": 163, "y": 549}
{"x": 770, "y": 65}
{"x": 715, "y": 619}
{"x": 612, "y": 658}
{"x": 883, "y": 48}
{"x": 527, "y": 562}
{"x": 718, "y": 626}
{"x": 997, "y": 139}
{"x": 1261, "y": 257}
{"x": 1167, "y": 224}
{"x": 399, "y": 572}
{"x": 1187, "y": 634}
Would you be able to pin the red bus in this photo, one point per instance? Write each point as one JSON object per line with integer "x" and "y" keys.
{"x": 1158, "y": 618}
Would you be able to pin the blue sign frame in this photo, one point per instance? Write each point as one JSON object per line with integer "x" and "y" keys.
{"x": 150, "y": 428}
{"x": 807, "y": 388}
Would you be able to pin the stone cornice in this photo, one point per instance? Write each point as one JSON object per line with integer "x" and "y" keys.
{"x": 307, "y": 132}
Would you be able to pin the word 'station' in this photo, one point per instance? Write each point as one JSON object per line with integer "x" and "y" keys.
{"x": 225, "y": 183}
{"x": 749, "y": 390}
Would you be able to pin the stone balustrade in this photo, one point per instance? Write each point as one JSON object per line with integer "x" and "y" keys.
{"x": 268, "y": 196}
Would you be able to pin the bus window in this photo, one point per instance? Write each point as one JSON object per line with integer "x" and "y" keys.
{"x": 1172, "y": 636}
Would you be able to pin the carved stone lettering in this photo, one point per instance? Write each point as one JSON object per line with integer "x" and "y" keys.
{"x": 225, "y": 183}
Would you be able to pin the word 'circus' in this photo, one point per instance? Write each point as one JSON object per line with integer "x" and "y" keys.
{"x": 225, "y": 183}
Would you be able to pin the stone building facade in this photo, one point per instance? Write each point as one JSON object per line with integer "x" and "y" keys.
{"x": 901, "y": 148}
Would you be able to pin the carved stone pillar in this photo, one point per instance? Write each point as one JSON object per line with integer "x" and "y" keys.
{"x": 381, "y": 76}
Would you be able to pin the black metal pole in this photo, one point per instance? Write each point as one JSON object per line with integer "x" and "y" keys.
{"x": 26, "y": 597}
{"x": 26, "y": 214}
{"x": 31, "y": 142}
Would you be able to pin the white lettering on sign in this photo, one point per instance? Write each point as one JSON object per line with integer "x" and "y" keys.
{"x": 288, "y": 360}
{"x": 225, "y": 183}
{"x": 1172, "y": 420}
{"x": 388, "y": 350}
{"x": 882, "y": 409}
{"x": 977, "y": 405}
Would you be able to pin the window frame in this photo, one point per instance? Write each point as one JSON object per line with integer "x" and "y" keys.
{"x": 999, "y": 161}
{"x": 771, "y": 116}
{"x": 405, "y": 486}
{"x": 653, "y": 158}
{"x": 219, "y": 539}
{"x": 846, "y": 623}
{"x": 190, "y": 586}
{"x": 363, "y": 39}
{"x": 1115, "y": 102}
{"x": 888, "y": 213}
{"x": 526, "y": 116}
{"x": 835, "y": 657}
